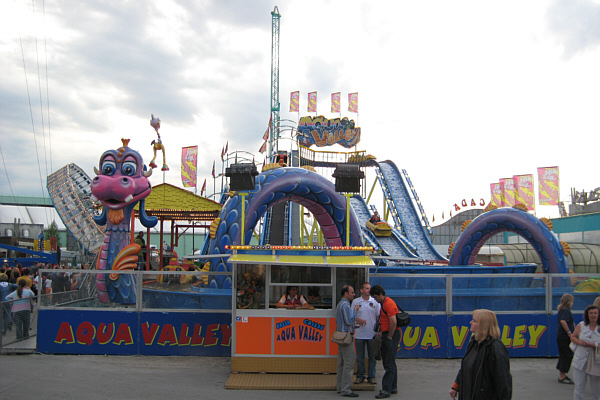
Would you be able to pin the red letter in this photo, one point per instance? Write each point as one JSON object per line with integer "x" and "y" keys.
{"x": 184, "y": 339}
{"x": 197, "y": 339}
{"x": 226, "y": 332}
{"x": 105, "y": 332}
{"x": 211, "y": 338}
{"x": 65, "y": 332}
{"x": 85, "y": 333}
{"x": 167, "y": 335}
{"x": 149, "y": 333}
{"x": 123, "y": 335}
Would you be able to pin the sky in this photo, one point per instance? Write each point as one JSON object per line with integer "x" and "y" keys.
{"x": 460, "y": 94}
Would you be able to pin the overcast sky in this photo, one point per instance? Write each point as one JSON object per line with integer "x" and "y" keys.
{"x": 458, "y": 93}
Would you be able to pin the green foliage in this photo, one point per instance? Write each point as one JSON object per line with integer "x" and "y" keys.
{"x": 52, "y": 232}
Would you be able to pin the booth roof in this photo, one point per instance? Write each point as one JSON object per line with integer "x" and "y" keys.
{"x": 170, "y": 202}
{"x": 306, "y": 260}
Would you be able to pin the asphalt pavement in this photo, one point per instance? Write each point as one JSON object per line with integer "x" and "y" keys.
{"x": 144, "y": 377}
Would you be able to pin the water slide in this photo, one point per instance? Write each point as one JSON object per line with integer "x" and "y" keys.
{"x": 391, "y": 245}
{"x": 403, "y": 210}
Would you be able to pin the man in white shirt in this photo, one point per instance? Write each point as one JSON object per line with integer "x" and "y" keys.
{"x": 366, "y": 318}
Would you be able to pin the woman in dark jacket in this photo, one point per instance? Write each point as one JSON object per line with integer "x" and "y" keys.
{"x": 485, "y": 368}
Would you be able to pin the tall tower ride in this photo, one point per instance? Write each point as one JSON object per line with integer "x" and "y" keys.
{"x": 274, "y": 126}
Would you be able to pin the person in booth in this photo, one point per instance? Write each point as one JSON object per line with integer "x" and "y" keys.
{"x": 293, "y": 299}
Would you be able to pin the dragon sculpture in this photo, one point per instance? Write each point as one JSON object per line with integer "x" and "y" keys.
{"x": 120, "y": 184}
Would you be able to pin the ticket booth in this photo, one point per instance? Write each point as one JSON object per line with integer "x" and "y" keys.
{"x": 268, "y": 338}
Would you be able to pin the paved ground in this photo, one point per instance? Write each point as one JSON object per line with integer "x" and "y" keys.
{"x": 142, "y": 377}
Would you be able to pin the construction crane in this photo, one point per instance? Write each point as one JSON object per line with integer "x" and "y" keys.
{"x": 274, "y": 126}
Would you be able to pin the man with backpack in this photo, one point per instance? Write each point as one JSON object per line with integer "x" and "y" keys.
{"x": 390, "y": 332}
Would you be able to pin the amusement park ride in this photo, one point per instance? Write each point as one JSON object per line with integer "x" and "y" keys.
{"x": 291, "y": 225}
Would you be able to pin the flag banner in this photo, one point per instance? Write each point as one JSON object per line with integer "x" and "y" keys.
{"x": 226, "y": 147}
{"x": 353, "y": 102}
{"x": 213, "y": 170}
{"x": 335, "y": 102}
{"x": 266, "y": 135}
{"x": 508, "y": 191}
{"x": 524, "y": 190}
{"x": 189, "y": 159}
{"x": 312, "y": 102}
{"x": 263, "y": 148}
{"x": 322, "y": 132}
{"x": 548, "y": 186}
{"x": 223, "y": 154}
{"x": 203, "y": 188}
{"x": 295, "y": 102}
{"x": 496, "y": 192}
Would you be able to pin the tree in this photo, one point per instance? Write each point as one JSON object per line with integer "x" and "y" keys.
{"x": 52, "y": 234}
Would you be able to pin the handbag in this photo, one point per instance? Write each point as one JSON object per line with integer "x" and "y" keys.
{"x": 573, "y": 347}
{"x": 402, "y": 318}
{"x": 342, "y": 338}
{"x": 376, "y": 343}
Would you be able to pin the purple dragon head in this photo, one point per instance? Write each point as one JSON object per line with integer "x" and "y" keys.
{"x": 121, "y": 179}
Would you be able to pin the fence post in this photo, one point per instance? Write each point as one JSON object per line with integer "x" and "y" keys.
{"x": 138, "y": 290}
{"x": 448, "y": 294}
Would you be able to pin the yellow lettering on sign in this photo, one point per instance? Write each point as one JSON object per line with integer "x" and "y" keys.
{"x": 459, "y": 337}
{"x": 411, "y": 337}
{"x": 506, "y": 336}
{"x": 519, "y": 340}
{"x": 535, "y": 332}
{"x": 430, "y": 338}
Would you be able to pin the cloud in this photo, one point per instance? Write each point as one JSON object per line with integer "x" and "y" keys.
{"x": 576, "y": 23}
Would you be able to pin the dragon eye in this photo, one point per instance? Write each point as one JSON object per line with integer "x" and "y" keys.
{"x": 108, "y": 167}
{"x": 129, "y": 168}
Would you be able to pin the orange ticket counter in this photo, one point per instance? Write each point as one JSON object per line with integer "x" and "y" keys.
{"x": 269, "y": 338}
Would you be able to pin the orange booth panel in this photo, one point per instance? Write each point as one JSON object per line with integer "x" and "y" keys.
{"x": 300, "y": 336}
{"x": 253, "y": 335}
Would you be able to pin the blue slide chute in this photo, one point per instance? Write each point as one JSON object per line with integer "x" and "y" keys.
{"x": 391, "y": 245}
{"x": 404, "y": 211}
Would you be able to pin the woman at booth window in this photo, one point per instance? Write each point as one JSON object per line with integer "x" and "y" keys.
{"x": 293, "y": 299}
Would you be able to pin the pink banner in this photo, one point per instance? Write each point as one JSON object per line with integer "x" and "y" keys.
{"x": 524, "y": 190}
{"x": 549, "y": 189}
{"x": 312, "y": 102}
{"x": 508, "y": 191}
{"x": 496, "y": 193}
{"x": 295, "y": 102}
{"x": 353, "y": 102}
{"x": 189, "y": 159}
{"x": 335, "y": 102}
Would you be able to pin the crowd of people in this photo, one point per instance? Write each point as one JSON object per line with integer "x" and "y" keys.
{"x": 372, "y": 321}
{"x": 579, "y": 347}
{"x": 19, "y": 287}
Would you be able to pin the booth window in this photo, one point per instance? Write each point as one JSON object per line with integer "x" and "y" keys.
{"x": 349, "y": 276}
{"x": 250, "y": 286}
{"x": 314, "y": 284}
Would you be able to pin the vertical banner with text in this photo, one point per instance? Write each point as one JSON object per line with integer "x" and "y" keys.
{"x": 508, "y": 191}
{"x": 312, "y": 102}
{"x": 496, "y": 193}
{"x": 335, "y": 102}
{"x": 295, "y": 101}
{"x": 353, "y": 102}
{"x": 548, "y": 186}
{"x": 189, "y": 159}
{"x": 524, "y": 190}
